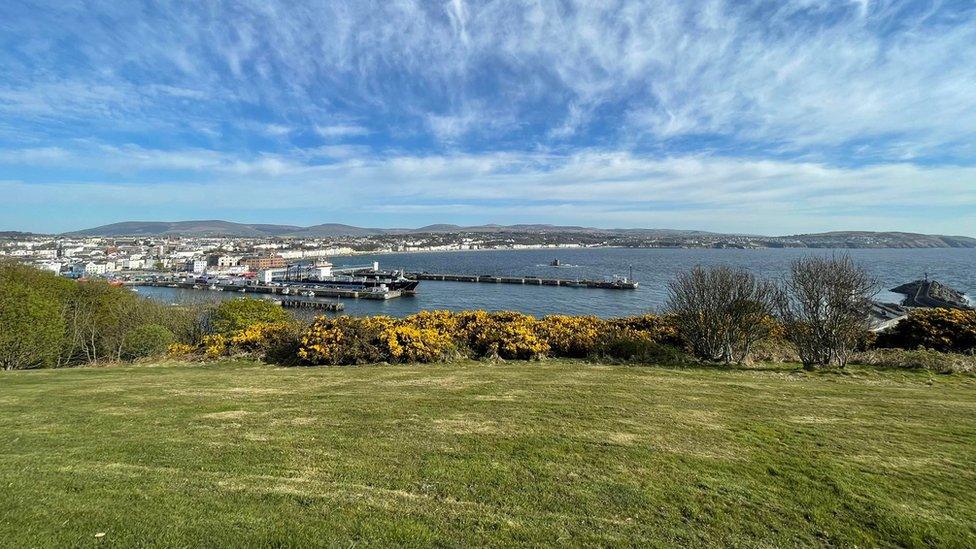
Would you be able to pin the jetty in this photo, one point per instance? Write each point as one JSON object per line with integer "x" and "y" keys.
{"x": 616, "y": 283}
{"x": 309, "y": 304}
{"x": 931, "y": 293}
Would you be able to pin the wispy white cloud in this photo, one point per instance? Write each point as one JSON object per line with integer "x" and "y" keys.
{"x": 341, "y": 130}
{"x": 794, "y": 114}
{"x": 897, "y": 77}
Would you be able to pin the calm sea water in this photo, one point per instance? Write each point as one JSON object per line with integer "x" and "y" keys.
{"x": 653, "y": 268}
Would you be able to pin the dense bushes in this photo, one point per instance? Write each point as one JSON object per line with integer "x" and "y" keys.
{"x": 344, "y": 340}
{"x": 950, "y": 330}
{"x": 431, "y": 336}
{"x": 239, "y": 314}
{"x": 49, "y": 321}
{"x": 146, "y": 340}
{"x": 573, "y": 336}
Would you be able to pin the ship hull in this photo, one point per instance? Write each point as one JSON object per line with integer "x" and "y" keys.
{"x": 403, "y": 285}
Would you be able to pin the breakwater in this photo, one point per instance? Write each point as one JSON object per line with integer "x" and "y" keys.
{"x": 615, "y": 284}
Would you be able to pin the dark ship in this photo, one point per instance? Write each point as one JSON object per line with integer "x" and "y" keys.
{"x": 323, "y": 275}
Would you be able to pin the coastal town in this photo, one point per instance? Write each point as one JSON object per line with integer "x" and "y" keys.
{"x": 231, "y": 248}
{"x": 102, "y": 256}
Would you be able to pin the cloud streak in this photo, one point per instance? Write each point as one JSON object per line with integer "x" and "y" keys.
{"x": 815, "y": 109}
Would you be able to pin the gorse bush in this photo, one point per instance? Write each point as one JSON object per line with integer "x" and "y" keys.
{"x": 345, "y": 340}
{"x": 260, "y": 337}
{"x": 432, "y": 336}
{"x": 640, "y": 347}
{"x": 949, "y": 330}
{"x": 657, "y": 328}
{"x": 572, "y": 336}
{"x": 180, "y": 350}
{"x": 505, "y": 334}
{"x": 405, "y": 342}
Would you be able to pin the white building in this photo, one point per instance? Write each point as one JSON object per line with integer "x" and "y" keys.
{"x": 89, "y": 268}
{"x": 196, "y": 265}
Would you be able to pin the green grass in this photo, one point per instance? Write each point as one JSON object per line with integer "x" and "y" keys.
{"x": 558, "y": 452}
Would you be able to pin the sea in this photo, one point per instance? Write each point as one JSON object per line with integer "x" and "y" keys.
{"x": 653, "y": 268}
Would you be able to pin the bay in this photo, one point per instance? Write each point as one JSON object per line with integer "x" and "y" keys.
{"x": 653, "y": 268}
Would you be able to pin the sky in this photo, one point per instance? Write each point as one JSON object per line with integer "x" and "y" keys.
{"x": 765, "y": 117}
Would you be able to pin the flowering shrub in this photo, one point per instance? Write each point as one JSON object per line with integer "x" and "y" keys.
{"x": 504, "y": 334}
{"x": 429, "y": 336}
{"x": 655, "y": 328}
{"x": 215, "y": 345}
{"x": 345, "y": 340}
{"x": 180, "y": 350}
{"x": 939, "y": 329}
{"x": 634, "y": 346}
{"x": 260, "y": 337}
{"x": 572, "y": 336}
{"x": 444, "y": 322}
{"x": 405, "y": 342}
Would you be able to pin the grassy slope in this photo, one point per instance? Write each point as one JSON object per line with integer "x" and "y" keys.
{"x": 241, "y": 453}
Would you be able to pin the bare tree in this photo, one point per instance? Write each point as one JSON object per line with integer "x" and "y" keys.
{"x": 824, "y": 305}
{"x": 722, "y": 312}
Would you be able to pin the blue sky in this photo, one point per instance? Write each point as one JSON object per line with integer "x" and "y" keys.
{"x": 769, "y": 117}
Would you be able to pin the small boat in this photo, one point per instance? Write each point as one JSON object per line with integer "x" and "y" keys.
{"x": 555, "y": 263}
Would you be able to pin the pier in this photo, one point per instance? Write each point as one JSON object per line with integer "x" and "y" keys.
{"x": 308, "y": 304}
{"x": 615, "y": 284}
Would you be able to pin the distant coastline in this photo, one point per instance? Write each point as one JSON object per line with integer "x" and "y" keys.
{"x": 522, "y": 235}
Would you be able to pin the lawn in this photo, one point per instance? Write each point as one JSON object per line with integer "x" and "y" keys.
{"x": 557, "y": 452}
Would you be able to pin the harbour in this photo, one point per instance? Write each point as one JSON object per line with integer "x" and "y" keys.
{"x": 654, "y": 268}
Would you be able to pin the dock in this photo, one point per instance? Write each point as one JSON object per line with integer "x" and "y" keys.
{"x": 309, "y": 304}
{"x": 284, "y": 290}
{"x": 616, "y": 284}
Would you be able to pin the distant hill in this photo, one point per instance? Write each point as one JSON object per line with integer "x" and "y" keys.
{"x": 187, "y": 228}
{"x": 867, "y": 239}
{"x": 15, "y": 234}
{"x": 836, "y": 239}
{"x": 338, "y": 229}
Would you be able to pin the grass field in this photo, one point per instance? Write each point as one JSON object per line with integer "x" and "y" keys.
{"x": 240, "y": 453}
